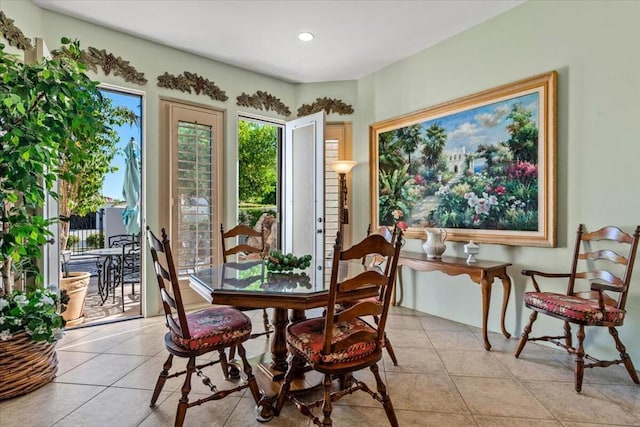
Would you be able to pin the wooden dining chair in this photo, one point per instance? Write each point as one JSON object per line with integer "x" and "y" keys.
{"x": 377, "y": 259}
{"x": 196, "y": 334}
{"x": 603, "y": 260}
{"x": 244, "y": 251}
{"x": 341, "y": 343}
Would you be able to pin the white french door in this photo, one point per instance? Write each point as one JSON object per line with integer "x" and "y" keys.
{"x": 303, "y": 192}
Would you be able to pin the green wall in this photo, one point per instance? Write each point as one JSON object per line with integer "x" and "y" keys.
{"x": 594, "y": 47}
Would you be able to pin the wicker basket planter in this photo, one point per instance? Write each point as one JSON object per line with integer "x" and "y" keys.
{"x": 25, "y": 365}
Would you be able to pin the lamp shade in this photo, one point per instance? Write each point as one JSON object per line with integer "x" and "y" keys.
{"x": 343, "y": 166}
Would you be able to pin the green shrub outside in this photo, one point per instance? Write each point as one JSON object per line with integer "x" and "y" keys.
{"x": 95, "y": 241}
{"x": 72, "y": 240}
{"x": 250, "y": 214}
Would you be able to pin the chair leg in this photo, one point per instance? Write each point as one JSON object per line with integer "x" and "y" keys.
{"x": 624, "y": 356}
{"x": 386, "y": 400}
{"x": 567, "y": 335}
{"x": 578, "y": 368}
{"x": 186, "y": 388}
{"x": 224, "y": 365}
{"x": 251, "y": 379}
{"x": 285, "y": 386}
{"x": 525, "y": 333}
{"x": 162, "y": 378}
{"x": 392, "y": 354}
{"x": 265, "y": 320}
{"x": 326, "y": 405}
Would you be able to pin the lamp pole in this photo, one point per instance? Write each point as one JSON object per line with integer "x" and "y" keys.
{"x": 342, "y": 168}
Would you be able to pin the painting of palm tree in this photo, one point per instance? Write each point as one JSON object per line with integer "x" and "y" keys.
{"x": 483, "y": 166}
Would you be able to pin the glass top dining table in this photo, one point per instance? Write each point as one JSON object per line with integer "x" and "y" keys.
{"x": 250, "y": 285}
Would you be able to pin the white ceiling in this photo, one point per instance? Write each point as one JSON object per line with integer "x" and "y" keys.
{"x": 353, "y": 38}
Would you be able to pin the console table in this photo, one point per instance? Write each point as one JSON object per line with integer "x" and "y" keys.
{"x": 481, "y": 272}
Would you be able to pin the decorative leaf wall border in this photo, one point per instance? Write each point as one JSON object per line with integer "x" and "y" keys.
{"x": 186, "y": 81}
{"x": 263, "y": 100}
{"x": 330, "y": 105}
{"x": 108, "y": 62}
{"x": 13, "y": 34}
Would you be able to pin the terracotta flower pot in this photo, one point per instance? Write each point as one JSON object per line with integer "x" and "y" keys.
{"x": 76, "y": 286}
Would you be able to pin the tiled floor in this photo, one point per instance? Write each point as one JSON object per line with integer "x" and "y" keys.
{"x": 444, "y": 378}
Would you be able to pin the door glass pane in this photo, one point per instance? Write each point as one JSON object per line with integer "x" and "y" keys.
{"x": 258, "y": 178}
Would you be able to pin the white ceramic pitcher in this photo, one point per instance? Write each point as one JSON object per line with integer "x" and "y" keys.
{"x": 434, "y": 247}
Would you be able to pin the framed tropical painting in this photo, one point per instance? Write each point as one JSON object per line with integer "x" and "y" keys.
{"x": 482, "y": 167}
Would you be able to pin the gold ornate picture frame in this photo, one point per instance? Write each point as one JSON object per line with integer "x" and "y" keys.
{"x": 483, "y": 167}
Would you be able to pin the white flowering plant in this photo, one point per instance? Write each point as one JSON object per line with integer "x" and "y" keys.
{"x": 33, "y": 312}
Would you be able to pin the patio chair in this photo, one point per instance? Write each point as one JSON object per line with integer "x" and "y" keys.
{"x": 196, "y": 334}
{"x": 596, "y": 262}
{"x": 340, "y": 344}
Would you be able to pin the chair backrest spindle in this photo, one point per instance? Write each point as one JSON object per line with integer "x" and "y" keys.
{"x": 166, "y": 273}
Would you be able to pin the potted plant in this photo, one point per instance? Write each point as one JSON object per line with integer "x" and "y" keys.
{"x": 47, "y": 110}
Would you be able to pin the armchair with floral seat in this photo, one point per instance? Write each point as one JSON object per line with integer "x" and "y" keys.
{"x": 603, "y": 260}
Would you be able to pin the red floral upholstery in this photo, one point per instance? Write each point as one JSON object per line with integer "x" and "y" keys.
{"x": 307, "y": 337}
{"x": 213, "y": 327}
{"x": 580, "y": 309}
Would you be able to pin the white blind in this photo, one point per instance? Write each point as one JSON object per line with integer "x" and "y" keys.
{"x": 195, "y": 197}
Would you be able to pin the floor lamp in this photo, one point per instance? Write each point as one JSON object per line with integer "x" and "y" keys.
{"x": 342, "y": 168}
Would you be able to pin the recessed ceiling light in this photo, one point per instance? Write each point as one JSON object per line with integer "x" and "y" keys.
{"x": 305, "y": 36}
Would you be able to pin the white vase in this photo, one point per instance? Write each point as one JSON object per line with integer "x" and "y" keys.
{"x": 434, "y": 247}
{"x": 471, "y": 249}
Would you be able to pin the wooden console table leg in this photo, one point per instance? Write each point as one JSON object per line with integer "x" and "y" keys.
{"x": 486, "y": 301}
{"x": 506, "y": 291}
{"x": 397, "y": 286}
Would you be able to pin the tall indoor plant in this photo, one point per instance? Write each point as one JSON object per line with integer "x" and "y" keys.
{"x": 47, "y": 110}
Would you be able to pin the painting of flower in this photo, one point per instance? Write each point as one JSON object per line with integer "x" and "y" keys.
{"x": 482, "y": 167}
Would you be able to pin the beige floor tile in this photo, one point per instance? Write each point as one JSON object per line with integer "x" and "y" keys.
{"x": 96, "y": 343}
{"x": 433, "y": 419}
{"x": 421, "y": 392}
{"x": 115, "y": 407}
{"x": 145, "y": 376}
{"x": 479, "y": 363}
{"x": 408, "y": 338}
{"x": 70, "y": 359}
{"x": 614, "y": 375}
{"x": 499, "y": 397}
{"x": 626, "y": 396}
{"x": 143, "y": 344}
{"x": 416, "y": 360}
{"x": 245, "y": 415}
{"x": 404, "y": 322}
{"x": 357, "y": 416}
{"x": 590, "y": 405}
{"x": 212, "y": 414}
{"x": 47, "y": 405}
{"x": 104, "y": 369}
{"x": 434, "y": 323}
{"x": 537, "y": 365}
{"x": 485, "y": 421}
{"x": 455, "y": 340}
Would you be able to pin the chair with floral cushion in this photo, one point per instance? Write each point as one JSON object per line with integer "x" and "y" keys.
{"x": 196, "y": 334}
{"x": 603, "y": 260}
{"x": 342, "y": 343}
